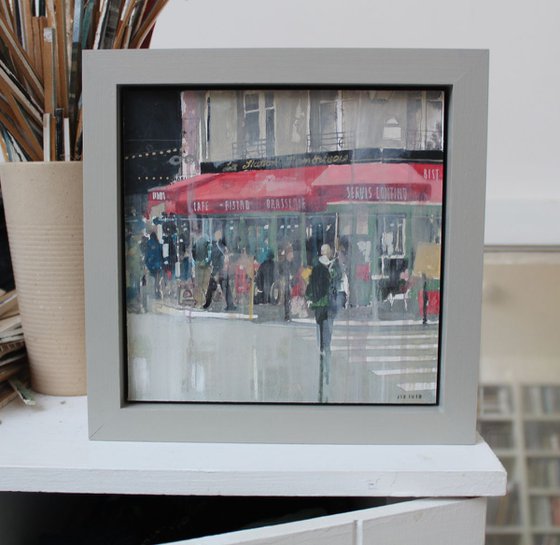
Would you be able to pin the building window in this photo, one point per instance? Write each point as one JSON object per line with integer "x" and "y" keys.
{"x": 434, "y": 120}
{"x": 208, "y": 116}
{"x": 392, "y": 129}
{"x": 328, "y": 118}
{"x": 392, "y": 249}
{"x": 251, "y": 115}
{"x": 425, "y": 121}
{"x": 392, "y": 230}
{"x": 258, "y": 124}
{"x": 326, "y": 123}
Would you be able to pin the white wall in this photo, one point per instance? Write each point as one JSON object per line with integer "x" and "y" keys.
{"x": 524, "y": 111}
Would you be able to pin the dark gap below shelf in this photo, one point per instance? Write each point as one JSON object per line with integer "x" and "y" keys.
{"x": 92, "y": 519}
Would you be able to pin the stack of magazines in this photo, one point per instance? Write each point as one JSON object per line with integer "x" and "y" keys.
{"x": 14, "y": 368}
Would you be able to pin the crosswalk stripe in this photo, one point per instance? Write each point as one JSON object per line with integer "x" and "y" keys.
{"x": 373, "y": 337}
{"x": 417, "y": 386}
{"x": 407, "y": 371}
{"x": 388, "y": 347}
{"x": 389, "y": 359}
{"x": 377, "y": 323}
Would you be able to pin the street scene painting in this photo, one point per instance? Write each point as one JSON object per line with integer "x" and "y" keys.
{"x": 282, "y": 245}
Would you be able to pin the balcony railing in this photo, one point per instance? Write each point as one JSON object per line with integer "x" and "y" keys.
{"x": 424, "y": 140}
{"x": 259, "y": 149}
{"x": 332, "y": 141}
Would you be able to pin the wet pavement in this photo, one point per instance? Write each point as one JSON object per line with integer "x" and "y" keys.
{"x": 177, "y": 353}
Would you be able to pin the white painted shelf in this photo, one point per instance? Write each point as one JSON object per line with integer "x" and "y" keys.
{"x": 46, "y": 449}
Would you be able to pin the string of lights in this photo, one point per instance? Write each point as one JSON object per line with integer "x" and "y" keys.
{"x": 174, "y": 160}
{"x": 151, "y": 154}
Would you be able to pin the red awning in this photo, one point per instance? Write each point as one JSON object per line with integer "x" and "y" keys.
{"x": 173, "y": 194}
{"x": 304, "y": 189}
{"x": 282, "y": 190}
{"x": 385, "y": 182}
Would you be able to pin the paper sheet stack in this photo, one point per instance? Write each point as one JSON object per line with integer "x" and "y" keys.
{"x": 14, "y": 369}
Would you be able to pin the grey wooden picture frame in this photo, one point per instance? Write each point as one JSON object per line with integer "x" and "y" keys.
{"x": 463, "y": 73}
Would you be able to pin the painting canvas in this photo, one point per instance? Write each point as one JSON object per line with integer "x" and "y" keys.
{"x": 282, "y": 245}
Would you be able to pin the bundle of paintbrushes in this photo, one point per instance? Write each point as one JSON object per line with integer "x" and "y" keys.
{"x": 40, "y": 67}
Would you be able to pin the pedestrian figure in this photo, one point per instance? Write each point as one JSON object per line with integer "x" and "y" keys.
{"x": 339, "y": 286}
{"x": 202, "y": 268}
{"x": 219, "y": 276}
{"x": 244, "y": 270}
{"x": 183, "y": 269}
{"x": 134, "y": 274}
{"x": 264, "y": 252}
{"x": 321, "y": 293}
{"x": 154, "y": 262}
{"x": 288, "y": 271}
{"x": 425, "y": 299}
{"x": 265, "y": 278}
{"x": 184, "y": 257}
{"x": 169, "y": 250}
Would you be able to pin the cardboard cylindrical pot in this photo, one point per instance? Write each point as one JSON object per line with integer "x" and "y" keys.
{"x": 44, "y": 218}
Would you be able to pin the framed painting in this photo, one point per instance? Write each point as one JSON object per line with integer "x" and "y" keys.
{"x": 284, "y": 245}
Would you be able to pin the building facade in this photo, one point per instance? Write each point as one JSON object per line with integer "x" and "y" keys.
{"x": 226, "y": 125}
{"x": 291, "y": 170}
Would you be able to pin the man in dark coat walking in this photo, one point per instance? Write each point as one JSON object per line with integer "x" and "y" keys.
{"x": 322, "y": 296}
{"x": 219, "y": 259}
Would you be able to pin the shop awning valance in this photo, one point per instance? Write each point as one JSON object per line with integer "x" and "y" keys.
{"x": 380, "y": 182}
{"x": 306, "y": 189}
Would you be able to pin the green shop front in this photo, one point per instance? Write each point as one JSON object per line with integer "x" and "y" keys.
{"x": 374, "y": 216}
{"x": 385, "y": 213}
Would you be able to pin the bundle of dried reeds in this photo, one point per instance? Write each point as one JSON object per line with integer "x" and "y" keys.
{"x": 40, "y": 67}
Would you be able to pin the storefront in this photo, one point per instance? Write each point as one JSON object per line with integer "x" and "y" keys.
{"x": 384, "y": 211}
{"x": 373, "y": 215}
